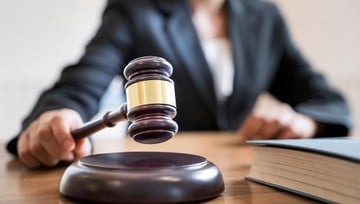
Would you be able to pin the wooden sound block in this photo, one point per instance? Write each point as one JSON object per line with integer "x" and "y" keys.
{"x": 142, "y": 177}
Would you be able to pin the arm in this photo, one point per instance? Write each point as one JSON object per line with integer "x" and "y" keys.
{"x": 75, "y": 96}
{"x": 310, "y": 107}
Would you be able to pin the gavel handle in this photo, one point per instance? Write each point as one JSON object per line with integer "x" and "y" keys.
{"x": 109, "y": 119}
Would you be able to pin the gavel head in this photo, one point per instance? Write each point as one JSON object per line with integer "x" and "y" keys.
{"x": 150, "y": 96}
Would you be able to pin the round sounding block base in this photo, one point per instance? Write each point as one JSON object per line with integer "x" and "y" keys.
{"x": 142, "y": 177}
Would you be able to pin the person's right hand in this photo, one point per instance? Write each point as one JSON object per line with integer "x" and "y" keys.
{"x": 48, "y": 140}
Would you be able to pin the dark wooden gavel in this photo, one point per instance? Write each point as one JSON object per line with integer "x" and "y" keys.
{"x": 150, "y": 103}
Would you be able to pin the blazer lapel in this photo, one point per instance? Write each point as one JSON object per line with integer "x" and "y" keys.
{"x": 238, "y": 31}
{"x": 188, "y": 50}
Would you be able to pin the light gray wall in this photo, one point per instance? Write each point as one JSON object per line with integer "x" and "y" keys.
{"x": 39, "y": 37}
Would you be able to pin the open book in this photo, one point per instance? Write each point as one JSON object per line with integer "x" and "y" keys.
{"x": 324, "y": 169}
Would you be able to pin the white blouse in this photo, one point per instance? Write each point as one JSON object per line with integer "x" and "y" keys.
{"x": 219, "y": 57}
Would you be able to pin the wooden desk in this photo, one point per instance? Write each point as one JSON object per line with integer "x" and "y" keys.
{"x": 20, "y": 185}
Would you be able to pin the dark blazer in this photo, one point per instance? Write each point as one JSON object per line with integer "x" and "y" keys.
{"x": 265, "y": 60}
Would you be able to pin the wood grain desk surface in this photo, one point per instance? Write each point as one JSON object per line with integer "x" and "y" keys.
{"x": 21, "y": 185}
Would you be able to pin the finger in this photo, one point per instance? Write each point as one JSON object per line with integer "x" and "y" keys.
{"x": 83, "y": 148}
{"x": 269, "y": 130}
{"x": 296, "y": 129}
{"x": 24, "y": 152}
{"x": 48, "y": 142}
{"x": 67, "y": 156}
{"x": 287, "y": 133}
{"x": 38, "y": 151}
{"x": 45, "y": 135}
{"x": 276, "y": 121}
{"x": 304, "y": 126}
{"x": 251, "y": 127}
{"x": 61, "y": 127}
{"x": 63, "y": 137}
{"x": 270, "y": 126}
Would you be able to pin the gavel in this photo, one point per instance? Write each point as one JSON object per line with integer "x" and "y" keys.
{"x": 123, "y": 176}
{"x": 150, "y": 103}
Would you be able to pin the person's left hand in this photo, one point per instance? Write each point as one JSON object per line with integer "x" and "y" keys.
{"x": 276, "y": 121}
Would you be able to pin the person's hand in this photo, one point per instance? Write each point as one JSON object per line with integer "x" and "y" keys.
{"x": 276, "y": 121}
{"x": 48, "y": 140}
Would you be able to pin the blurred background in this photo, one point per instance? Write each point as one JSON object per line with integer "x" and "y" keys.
{"x": 39, "y": 37}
